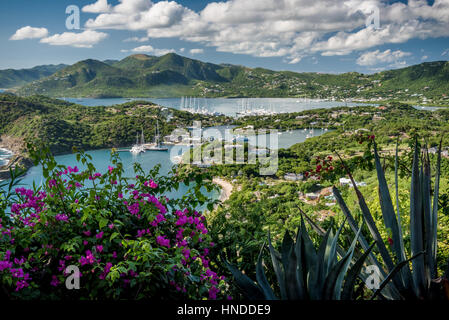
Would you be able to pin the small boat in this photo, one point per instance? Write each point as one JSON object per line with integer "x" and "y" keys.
{"x": 138, "y": 147}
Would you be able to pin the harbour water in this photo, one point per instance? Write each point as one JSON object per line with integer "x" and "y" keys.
{"x": 101, "y": 158}
{"x": 228, "y": 107}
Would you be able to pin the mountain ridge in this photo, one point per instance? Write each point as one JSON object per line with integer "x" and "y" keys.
{"x": 10, "y": 78}
{"x": 172, "y": 75}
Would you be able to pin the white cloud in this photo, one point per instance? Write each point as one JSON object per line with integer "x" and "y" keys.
{"x": 424, "y": 57}
{"x": 445, "y": 52}
{"x": 376, "y": 57}
{"x": 196, "y": 51}
{"x": 29, "y": 33}
{"x": 150, "y": 49}
{"x": 292, "y": 29}
{"x": 98, "y": 7}
{"x": 85, "y": 39}
{"x": 137, "y": 39}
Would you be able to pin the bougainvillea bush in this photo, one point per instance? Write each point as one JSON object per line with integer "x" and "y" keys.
{"x": 127, "y": 239}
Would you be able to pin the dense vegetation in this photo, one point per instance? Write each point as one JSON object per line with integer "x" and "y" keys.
{"x": 239, "y": 227}
{"x": 14, "y": 78}
{"x": 92, "y": 235}
{"x": 173, "y": 76}
{"x": 63, "y": 125}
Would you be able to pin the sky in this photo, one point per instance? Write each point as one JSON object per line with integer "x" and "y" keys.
{"x": 331, "y": 36}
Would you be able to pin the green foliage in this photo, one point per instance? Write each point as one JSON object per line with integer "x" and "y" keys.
{"x": 422, "y": 280}
{"x": 62, "y": 125}
{"x": 173, "y": 75}
{"x": 126, "y": 238}
{"x": 305, "y": 273}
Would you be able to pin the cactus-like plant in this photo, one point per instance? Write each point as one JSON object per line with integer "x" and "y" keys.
{"x": 305, "y": 273}
{"x": 422, "y": 280}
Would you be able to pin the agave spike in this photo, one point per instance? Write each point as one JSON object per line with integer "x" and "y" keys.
{"x": 353, "y": 273}
{"x": 387, "y": 208}
{"x": 416, "y": 224}
{"x": 406, "y": 273}
{"x": 262, "y": 279}
{"x": 372, "y": 225}
{"x": 396, "y": 269}
{"x": 277, "y": 269}
{"x": 249, "y": 288}
{"x": 434, "y": 217}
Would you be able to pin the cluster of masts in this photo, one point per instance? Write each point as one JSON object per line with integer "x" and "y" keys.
{"x": 246, "y": 109}
{"x": 197, "y": 105}
{"x": 141, "y": 146}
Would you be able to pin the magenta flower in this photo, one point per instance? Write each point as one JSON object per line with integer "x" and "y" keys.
{"x": 163, "y": 241}
{"x": 99, "y": 235}
{"x": 54, "y": 281}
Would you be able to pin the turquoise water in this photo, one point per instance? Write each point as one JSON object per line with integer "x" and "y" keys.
{"x": 4, "y": 156}
{"x": 101, "y": 158}
{"x": 101, "y": 161}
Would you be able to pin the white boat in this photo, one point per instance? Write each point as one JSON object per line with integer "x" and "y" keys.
{"x": 138, "y": 147}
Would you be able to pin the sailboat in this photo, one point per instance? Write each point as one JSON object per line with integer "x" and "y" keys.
{"x": 138, "y": 147}
{"x": 157, "y": 146}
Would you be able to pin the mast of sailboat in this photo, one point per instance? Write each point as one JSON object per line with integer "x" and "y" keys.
{"x": 142, "y": 139}
{"x": 156, "y": 138}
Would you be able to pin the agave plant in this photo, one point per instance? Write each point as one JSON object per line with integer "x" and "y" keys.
{"x": 305, "y": 273}
{"x": 422, "y": 280}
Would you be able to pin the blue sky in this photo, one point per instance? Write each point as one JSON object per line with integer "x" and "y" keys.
{"x": 298, "y": 35}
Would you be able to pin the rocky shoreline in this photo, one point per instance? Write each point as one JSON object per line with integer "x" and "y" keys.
{"x": 18, "y": 158}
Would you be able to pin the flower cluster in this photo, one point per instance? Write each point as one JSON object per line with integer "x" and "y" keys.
{"x": 126, "y": 239}
{"x": 324, "y": 167}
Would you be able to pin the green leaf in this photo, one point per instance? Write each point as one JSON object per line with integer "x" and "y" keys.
{"x": 262, "y": 279}
{"x": 249, "y": 288}
{"x": 416, "y": 224}
{"x": 114, "y": 235}
{"x": 277, "y": 269}
{"x": 102, "y": 223}
{"x": 353, "y": 274}
{"x": 388, "y": 213}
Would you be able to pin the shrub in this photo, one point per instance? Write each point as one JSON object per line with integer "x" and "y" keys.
{"x": 128, "y": 240}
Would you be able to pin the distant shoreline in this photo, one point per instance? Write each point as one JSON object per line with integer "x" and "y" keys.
{"x": 226, "y": 188}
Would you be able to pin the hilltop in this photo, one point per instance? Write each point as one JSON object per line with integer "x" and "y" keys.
{"x": 10, "y": 78}
{"x": 172, "y": 75}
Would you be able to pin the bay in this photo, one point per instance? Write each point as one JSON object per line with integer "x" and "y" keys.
{"x": 149, "y": 159}
{"x": 226, "y": 106}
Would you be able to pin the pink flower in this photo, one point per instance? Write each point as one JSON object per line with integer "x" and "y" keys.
{"x": 62, "y": 217}
{"x": 99, "y": 235}
{"x": 54, "y": 281}
{"x": 163, "y": 241}
{"x": 151, "y": 184}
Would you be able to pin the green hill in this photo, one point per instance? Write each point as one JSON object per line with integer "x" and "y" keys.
{"x": 172, "y": 75}
{"x": 10, "y": 78}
